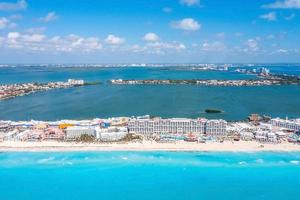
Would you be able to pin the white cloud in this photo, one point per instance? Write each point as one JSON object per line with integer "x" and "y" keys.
{"x": 190, "y": 2}
{"x": 114, "y": 40}
{"x": 284, "y": 4}
{"x": 252, "y": 45}
{"x": 40, "y": 42}
{"x": 13, "y": 35}
{"x": 163, "y": 47}
{"x": 8, "y": 6}
{"x": 6, "y": 23}
{"x": 271, "y": 16}
{"x": 187, "y": 24}
{"x": 3, "y": 22}
{"x": 282, "y": 51}
{"x": 74, "y": 44}
{"x": 150, "y": 37}
{"x": 214, "y": 46}
{"x": 33, "y": 38}
{"x": 51, "y": 16}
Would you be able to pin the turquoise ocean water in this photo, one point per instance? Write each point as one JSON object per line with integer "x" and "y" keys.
{"x": 159, "y": 100}
{"x": 149, "y": 175}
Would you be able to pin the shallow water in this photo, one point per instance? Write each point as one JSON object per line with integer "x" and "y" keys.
{"x": 149, "y": 175}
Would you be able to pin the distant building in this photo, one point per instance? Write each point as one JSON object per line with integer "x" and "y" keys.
{"x": 149, "y": 126}
{"x": 264, "y": 71}
{"x": 215, "y": 127}
{"x": 75, "y": 82}
{"x": 293, "y": 125}
{"x": 111, "y": 133}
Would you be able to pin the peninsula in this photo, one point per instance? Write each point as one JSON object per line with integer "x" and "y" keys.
{"x": 21, "y": 89}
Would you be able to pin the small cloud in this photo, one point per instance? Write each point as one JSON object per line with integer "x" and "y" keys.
{"x": 252, "y": 45}
{"x": 150, "y": 37}
{"x": 214, "y": 46}
{"x": 187, "y": 24}
{"x": 8, "y": 6}
{"x": 167, "y": 10}
{"x": 284, "y": 4}
{"x": 282, "y": 51}
{"x": 13, "y": 35}
{"x": 290, "y": 17}
{"x": 3, "y": 22}
{"x": 190, "y": 2}
{"x": 33, "y": 38}
{"x": 161, "y": 47}
{"x": 271, "y": 16}
{"x": 6, "y": 23}
{"x": 114, "y": 40}
{"x": 51, "y": 16}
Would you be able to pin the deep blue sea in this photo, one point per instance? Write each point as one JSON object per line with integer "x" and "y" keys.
{"x": 149, "y": 175}
{"x": 107, "y": 100}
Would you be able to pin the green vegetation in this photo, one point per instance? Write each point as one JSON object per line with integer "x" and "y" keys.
{"x": 213, "y": 111}
{"x": 86, "y": 138}
{"x": 92, "y": 83}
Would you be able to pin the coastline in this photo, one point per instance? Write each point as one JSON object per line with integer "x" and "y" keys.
{"x": 240, "y": 146}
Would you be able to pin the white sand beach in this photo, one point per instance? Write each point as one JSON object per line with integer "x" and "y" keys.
{"x": 240, "y": 146}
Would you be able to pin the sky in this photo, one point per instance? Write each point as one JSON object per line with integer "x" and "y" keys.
{"x": 149, "y": 31}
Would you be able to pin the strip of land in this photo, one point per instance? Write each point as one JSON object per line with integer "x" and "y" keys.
{"x": 9, "y": 91}
{"x": 250, "y": 82}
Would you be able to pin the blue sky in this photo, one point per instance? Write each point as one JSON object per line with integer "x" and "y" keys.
{"x": 122, "y": 31}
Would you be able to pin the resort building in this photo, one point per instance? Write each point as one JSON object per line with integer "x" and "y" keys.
{"x": 75, "y": 82}
{"x": 111, "y": 133}
{"x": 215, "y": 127}
{"x": 75, "y": 132}
{"x": 147, "y": 126}
{"x": 10, "y": 136}
{"x": 293, "y": 125}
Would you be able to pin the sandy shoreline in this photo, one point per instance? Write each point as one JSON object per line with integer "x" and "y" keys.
{"x": 146, "y": 146}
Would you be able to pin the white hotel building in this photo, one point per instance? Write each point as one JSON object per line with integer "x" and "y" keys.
{"x": 287, "y": 124}
{"x": 176, "y": 126}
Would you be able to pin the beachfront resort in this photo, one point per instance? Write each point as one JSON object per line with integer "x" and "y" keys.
{"x": 146, "y": 128}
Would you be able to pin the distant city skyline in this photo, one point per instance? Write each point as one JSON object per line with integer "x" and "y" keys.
{"x": 143, "y": 31}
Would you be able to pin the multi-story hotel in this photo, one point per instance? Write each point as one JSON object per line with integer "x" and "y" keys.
{"x": 285, "y": 123}
{"x": 176, "y": 126}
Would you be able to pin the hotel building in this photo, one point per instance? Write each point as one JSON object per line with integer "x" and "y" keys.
{"x": 176, "y": 126}
{"x": 72, "y": 133}
{"x": 285, "y": 123}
